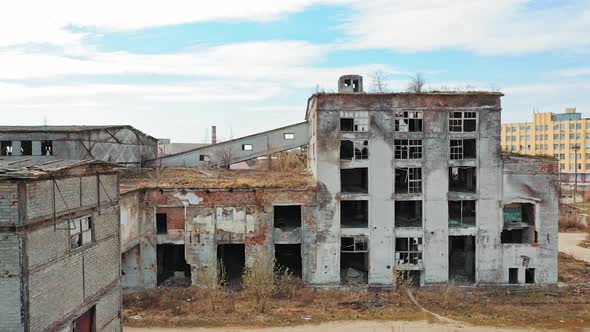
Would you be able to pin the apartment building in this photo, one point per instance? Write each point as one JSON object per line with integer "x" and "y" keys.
{"x": 564, "y": 136}
{"x": 59, "y": 247}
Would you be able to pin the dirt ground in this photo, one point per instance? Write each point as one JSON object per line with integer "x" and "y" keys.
{"x": 350, "y": 326}
{"x": 569, "y": 243}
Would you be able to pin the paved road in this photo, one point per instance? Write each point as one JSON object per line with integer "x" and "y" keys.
{"x": 568, "y": 243}
{"x": 355, "y": 326}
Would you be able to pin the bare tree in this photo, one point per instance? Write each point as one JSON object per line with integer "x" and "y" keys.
{"x": 379, "y": 83}
{"x": 417, "y": 83}
{"x": 223, "y": 155}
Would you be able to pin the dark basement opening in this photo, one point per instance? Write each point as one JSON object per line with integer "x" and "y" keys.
{"x": 233, "y": 258}
{"x": 462, "y": 259}
{"x": 288, "y": 256}
{"x": 173, "y": 271}
{"x": 287, "y": 217}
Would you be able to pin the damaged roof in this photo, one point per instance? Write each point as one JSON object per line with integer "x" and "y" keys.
{"x": 65, "y": 129}
{"x": 206, "y": 178}
{"x": 34, "y": 168}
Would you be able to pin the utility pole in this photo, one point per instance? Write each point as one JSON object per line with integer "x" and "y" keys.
{"x": 576, "y": 148}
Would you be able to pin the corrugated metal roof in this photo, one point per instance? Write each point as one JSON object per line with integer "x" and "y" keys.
{"x": 30, "y": 168}
{"x": 65, "y": 129}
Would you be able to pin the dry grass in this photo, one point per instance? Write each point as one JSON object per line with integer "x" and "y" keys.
{"x": 586, "y": 243}
{"x": 572, "y": 270}
{"x": 569, "y": 219}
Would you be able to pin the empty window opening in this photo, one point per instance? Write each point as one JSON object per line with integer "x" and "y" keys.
{"x": 347, "y": 82}
{"x": 519, "y": 223}
{"x": 288, "y": 257}
{"x": 408, "y": 180}
{"x": 461, "y": 213}
{"x": 462, "y": 179}
{"x": 204, "y": 157}
{"x": 462, "y": 149}
{"x": 358, "y": 150}
{"x": 346, "y": 124}
{"x": 346, "y": 150}
{"x": 408, "y": 250}
{"x": 361, "y": 150}
{"x": 354, "y": 121}
{"x": 86, "y": 322}
{"x": 81, "y": 232}
{"x": 287, "y": 217}
{"x": 232, "y": 258}
{"x": 289, "y": 136}
{"x": 408, "y": 149}
{"x": 354, "y": 180}
{"x": 462, "y": 121}
{"x": 408, "y": 121}
{"x": 6, "y": 148}
{"x": 513, "y": 275}
{"x": 247, "y": 147}
{"x": 354, "y": 214}
{"x": 462, "y": 259}
{"x": 46, "y": 148}
{"x": 173, "y": 271}
{"x": 355, "y": 85}
{"x": 26, "y": 148}
{"x": 529, "y": 276}
{"x": 161, "y": 223}
{"x": 354, "y": 261}
{"x": 408, "y": 213}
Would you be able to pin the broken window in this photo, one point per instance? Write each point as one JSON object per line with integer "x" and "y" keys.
{"x": 358, "y": 150}
{"x": 408, "y": 180}
{"x": 408, "y": 149}
{"x": 247, "y": 147}
{"x": 461, "y": 213}
{"x": 161, "y": 223}
{"x": 287, "y": 216}
{"x": 354, "y": 121}
{"x": 354, "y": 180}
{"x": 529, "y": 276}
{"x": 513, "y": 275}
{"x": 6, "y": 148}
{"x": 288, "y": 258}
{"x": 408, "y": 250}
{"x": 462, "y": 149}
{"x": 289, "y": 136}
{"x": 81, "y": 232}
{"x": 408, "y": 121}
{"x": 354, "y": 244}
{"x": 462, "y": 259}
{"x": 408, "y": 213}
{"x": 462, "y": 179}
{"x": 519, "y": 223}
{"x": 462, "y": 121}
{"x": 26, "y": 148}
{"x": 46, "y": 148}
{"x": 204, "y": 157}
{"x": 354, "y": 214}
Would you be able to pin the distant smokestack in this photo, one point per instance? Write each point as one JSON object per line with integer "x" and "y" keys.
{"x": 213, "y": 134}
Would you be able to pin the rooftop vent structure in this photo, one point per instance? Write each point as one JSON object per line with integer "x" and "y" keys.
{"x": 350, "y": 84}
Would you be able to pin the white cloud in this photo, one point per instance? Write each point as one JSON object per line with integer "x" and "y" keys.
{"x": 575, "y": 72}
{"x": 484, "y": 27}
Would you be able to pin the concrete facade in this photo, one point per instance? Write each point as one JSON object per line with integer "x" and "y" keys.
{"x": 123, "y": 145}
{"x": 59, "y": 248}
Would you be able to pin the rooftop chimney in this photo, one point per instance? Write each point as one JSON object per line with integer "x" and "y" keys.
{"x": 213, "y": 134}
{"x": 350, "y": 84}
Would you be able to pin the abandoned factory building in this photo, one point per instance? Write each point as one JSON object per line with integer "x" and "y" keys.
{"x": 59, "y": 246}
{"x": 411, "y": 182}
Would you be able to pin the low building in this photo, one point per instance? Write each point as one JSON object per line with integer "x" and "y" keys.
{"x": 59, "y": 247}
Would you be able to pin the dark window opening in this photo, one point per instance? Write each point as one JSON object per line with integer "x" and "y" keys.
{"x": 513, "y": 275}
{"x": 287, "y": 217}
{"x": 529, "y": 276}
{"x": 6, "y": 148}
{"x": 408, "y": 149}
{"x": 204, "y": 157}
{"x": 161, "y": 223}
{"x": 461, "y": 213}
{"x": 173, "y": 271}
{"x": 408, "y": 121}
{"x": 408, "y": 250}
{"x": 462, "y": 259}
{"x": 346, "y": 124}
{"x": 408, "y": 213}
{"x": 354, "y": 268}
{"x": 354, "y": 180}
{"x": 354, "y": 244}
{"x": 86, "y": 322}
{"x": 46, "y": 148}
{"x": 354, "y": 214}
{"x": 463, "y": 149}
{"x": 346, "y": 150}
{"x": 408, "y": 180}
{"x": 232, "y": 258}
{"x": 26, "y": 148}
{"x": 462, "y": 121}
{"x": 288, "y": 257}
{"x": 347, "y": 82}
{"x": 355, "y": 85}
{"x": 462, "y": 179}
{"x": 519, "y": 223}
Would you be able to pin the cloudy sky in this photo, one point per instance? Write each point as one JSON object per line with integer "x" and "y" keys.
{"x": 173, "y": 68}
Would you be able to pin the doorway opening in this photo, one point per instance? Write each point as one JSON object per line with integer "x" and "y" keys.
{"x": 233, "y": 260}
{"x": 288, "y": 256}
{"x": 462, "y": 259}
{"x": 173, "y": 271}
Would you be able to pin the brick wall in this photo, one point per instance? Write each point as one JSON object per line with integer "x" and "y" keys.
{"x": 10, "y": 291}
{"x": 8, "y": 203}
{"x": 107, "y": 312}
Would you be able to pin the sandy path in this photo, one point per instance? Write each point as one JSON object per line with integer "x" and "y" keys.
{"x": 355, "y": 326}
{"x": 568, "y": 243}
